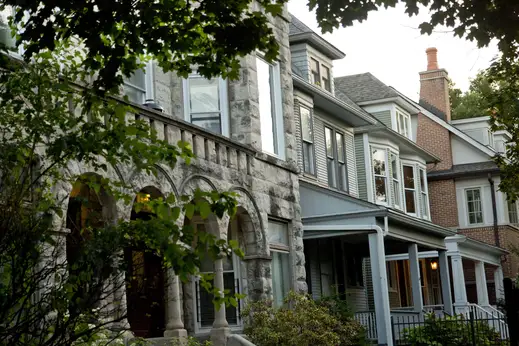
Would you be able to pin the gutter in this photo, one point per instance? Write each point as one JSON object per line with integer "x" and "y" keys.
{"x": 370, "y": 227}
{"x": 494, "y": 209}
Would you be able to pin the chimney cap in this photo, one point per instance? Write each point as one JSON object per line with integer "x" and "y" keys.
{"x": 432, "y": 58}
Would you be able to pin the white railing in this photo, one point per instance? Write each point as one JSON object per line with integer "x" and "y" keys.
{"x": 495, "y": 318}
{"x": 368, "y": 320}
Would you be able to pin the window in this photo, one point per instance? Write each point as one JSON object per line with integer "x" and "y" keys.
{"x": 395, "y": 174}
{"x": 280, "y": 252}
{"x": 6, "y": 36}
{"x": 307, "y": 140}
{"x": 206, "y": 103}
{"x": 403, "y": 124}
{"x": 336, "y": 159}
{"x": 135, "y": 87}
{"x": 354, "y": 271}
{"x": 269, "y": 89}
{"x": 391, "y": 276}
{"x": 474, "y": 207}
{"x": 316, "y": 73}
{"x": 512, "y": 212}
{"x": 409, "y": 189}
{"x": 326, "y": 79}
{"x": 424, "y": 194}
{"x": 379, "y": 174}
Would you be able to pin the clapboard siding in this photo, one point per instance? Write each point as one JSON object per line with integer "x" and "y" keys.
{"x": 384, "y": 117}
{"x": 300, "y": 59}
{"x": 320, "y": 150}
{"x": 351, "y": 164}
{"x": 361, "y": 167}
{"x": 297, "y": 118}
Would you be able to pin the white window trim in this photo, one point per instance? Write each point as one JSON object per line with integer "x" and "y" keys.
{"x": 466, "y": 206}
{"x": 312, "y": 143}
{"x": 407, "y": 123}
{"x": 424, "y": 193}
{"x": 283, "y": 248}
{"x": 224, "y": 102}
{"x": 278, "y": 123}
{"x": 398, "y": 180}
{"x": 372, "y": 173}
{"x": 148, "y": 90}
{"x": 416, "y": 206}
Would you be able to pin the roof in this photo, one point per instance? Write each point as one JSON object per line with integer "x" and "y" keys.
{"x": 466, "y": 169}
{"x": 364, "y": 87}
{"x": 300, "y": 32}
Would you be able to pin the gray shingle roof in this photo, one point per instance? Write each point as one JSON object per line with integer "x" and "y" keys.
{"x": 364, "y": 87}
{"x": 465, "y": 169}
{"x": 298, "y": 27}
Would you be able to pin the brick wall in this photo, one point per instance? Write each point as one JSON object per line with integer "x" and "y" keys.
{"x": 434, "y": 93}
{"x": 436, "y": 139}
{"x": 442, "y": 199}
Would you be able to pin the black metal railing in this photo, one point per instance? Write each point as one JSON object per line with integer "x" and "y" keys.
{"x": 468, "y": 329}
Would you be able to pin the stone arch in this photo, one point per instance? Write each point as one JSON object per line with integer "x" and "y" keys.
{"x": 191, "y": 183}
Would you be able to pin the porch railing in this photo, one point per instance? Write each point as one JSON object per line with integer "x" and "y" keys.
{"x": 368, "y": 320}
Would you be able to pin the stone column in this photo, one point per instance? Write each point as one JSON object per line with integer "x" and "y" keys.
{"x": 458, "y": 280}
{"x": 481, "y": 283}
{"x": 445, "y": 282}
{"x": 377, "y": 255}
{"x": 416, "y": 286}
{"x": 174, "y": 324}
{"x": 220, "y": 331}
{"x": 498, "y": 282}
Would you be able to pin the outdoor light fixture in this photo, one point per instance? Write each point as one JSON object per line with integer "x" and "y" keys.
{"x": 434, "y": 265}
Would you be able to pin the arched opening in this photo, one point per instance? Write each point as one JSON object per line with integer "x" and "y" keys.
{"x": 145, "y": 288}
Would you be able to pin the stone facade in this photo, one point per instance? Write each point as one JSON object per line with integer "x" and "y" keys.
{"x": 267, "y": 186}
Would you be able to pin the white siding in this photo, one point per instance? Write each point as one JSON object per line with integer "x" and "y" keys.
{"x": 300, "y": 58}
{"x": 463, "y": 152}
{"x": 361, "y": 167}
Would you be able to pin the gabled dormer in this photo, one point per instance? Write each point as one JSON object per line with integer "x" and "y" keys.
{"x": 312, "y": 56}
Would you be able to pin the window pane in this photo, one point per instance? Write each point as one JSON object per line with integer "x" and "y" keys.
{"x": 410, "y": 201}
{"x": 137, "y": 79}
{"x": 422, "y": 180}
{"x": 329, "y": 142}
{"x": 409, "y": 177}
{"x": 203, "y": 95}
{"x": 512, "y": 212}
{"x": 314, "y": 67}
{"x": 306, "y": 125}
{"x": 308, "y": 157}
{"x": 134, "y": 94}
{"x": 209, "y": 121}
{"x": 278, "y": 232}
{"x": 340, "y": 147}
{"x": 379, "y": 161}
{"x": 326, "y": 79}
{"x": 331, "y": 172}
{"x": 380, "y": 189}
{"x": 396, "y": 192}
{"x": 342, "y": 177}
{"x": 266, "y": 106}
{"x": 280, "y": 276}
{"x": 425, "y": 206}
{"x": 394, "y": 166}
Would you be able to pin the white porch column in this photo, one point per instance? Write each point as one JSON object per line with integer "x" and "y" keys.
{"x": 414, "y": 266}
{"x": 498, "y": 282}
{"x": 481, "y": 283}
{"x": 220, "y": 331}
{"x": 377, "y": 255}
{"x": 174, "y": 324}
{"x": 445, "y": 282}
{"x": 458, "y": 280}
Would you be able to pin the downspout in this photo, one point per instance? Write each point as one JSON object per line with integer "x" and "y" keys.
{"x": 494, "y": 209}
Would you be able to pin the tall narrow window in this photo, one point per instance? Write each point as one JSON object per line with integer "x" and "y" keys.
{"x": 474, "y": 207}
{"x": 395, "y": 174}
{"x": 206, "y": 103}
{"x": 424, "y": 194}
{"x": 379, "y": 174}
{"x": 280, "y": 252}
{"x": 409, "y": 189}
{"x": 336, "y": 159}
{"x": 403, "y": 124}
{"x": 326, "y": 79}
{"x": 307, "y": 140}
{"x": 270, "y": 107}
{"x": 512, "y": 212}
{"x": 316, "y": 73}
{"x": 135, "y": 87}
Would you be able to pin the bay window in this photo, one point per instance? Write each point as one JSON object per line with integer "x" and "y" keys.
{"x": 307, "y": 140}
{"x": 409, "y": 189}
{"x": 270, "y": 108}
{"x": 379, "y": 162}
{"x": 424, "y": 194}
{"x": 474, "y": 206}
{"x": 512, "y": 211}
{"x": 336, "y": 159}
{"x": 206, "y": 104}
{"x": 280, "y": 266}
{"x": 395, "y": 174}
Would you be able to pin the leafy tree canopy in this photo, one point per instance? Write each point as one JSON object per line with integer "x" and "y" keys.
{"x": 472, "y": 103}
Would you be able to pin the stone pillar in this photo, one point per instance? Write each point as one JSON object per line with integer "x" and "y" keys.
{"x": 174, "y": 324}
{"x": 498, "y": 282}
{"x": 445, "y": 282}
{"x": 377, "y": 255}
{"x": 220, "y": 331}
{"x": 481, "y": 283}
{"x": 458, "y": 281}
{"x": 120, "y": 302}
{"x": 414, "y": 269}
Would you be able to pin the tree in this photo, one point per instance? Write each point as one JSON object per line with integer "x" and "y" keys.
{"x": 472, "y": 103}
{"x": 47, "y": 125}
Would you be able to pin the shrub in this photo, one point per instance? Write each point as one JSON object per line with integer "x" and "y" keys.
{"x": 301, "y": 322}
{"x": 452, "y": 330}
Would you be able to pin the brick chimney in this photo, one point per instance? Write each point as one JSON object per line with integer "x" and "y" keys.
{"x": 434, "y": 87}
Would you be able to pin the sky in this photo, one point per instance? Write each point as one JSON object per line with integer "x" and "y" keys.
{"x": 389, "y": 45}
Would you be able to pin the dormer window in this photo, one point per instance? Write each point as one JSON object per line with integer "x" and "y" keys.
{"x": 326, "y": 79}
{"x": 403, "y": 124}
{"x": 316, "y": 71}
{"x": 321, "y": 75}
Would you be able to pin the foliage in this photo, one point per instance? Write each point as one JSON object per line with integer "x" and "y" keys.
{"x": 474, "y": 102}
{"x": 119, "y": 35}
{"x": 192, "y": 341}
{"x": 452, "y": 330}
{"x": 301, "y": 322}
{"x": 47, "y": 129}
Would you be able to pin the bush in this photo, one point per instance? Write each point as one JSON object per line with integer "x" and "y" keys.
{"x": 452, "y": 331}
{"x": 301, "y": 322}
